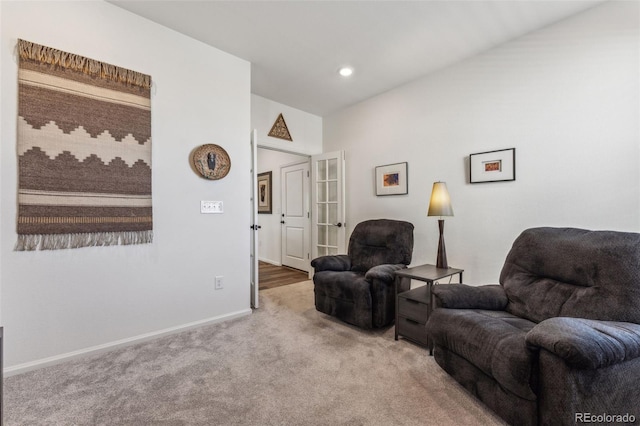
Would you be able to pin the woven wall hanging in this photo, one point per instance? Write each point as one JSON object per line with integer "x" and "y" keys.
{"x": 280, "y": 129}
{"x": 84, "y": 152}
{"x": 211, "y": 161}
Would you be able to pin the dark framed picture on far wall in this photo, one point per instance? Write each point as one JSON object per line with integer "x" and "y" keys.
{"x": 264, "y": 193}
{"x": 493, "y": 166}
{"x": 391, "y": 179}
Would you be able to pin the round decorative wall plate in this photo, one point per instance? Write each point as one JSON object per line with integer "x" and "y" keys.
{"x": 211, "y": 161}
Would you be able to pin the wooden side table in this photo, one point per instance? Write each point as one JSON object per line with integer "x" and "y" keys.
{"x": 414, "y": 307}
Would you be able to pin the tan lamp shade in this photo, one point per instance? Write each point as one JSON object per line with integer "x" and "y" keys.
{"x": 440, "y": 203}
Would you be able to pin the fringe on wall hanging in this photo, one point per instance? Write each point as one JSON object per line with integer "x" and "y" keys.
{"x": 84, "y": 152}
{"x": 47, "y": 55}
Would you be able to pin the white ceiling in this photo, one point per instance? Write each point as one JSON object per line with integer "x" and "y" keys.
{"x": 296, "y": 47}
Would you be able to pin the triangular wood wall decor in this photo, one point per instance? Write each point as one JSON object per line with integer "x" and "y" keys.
{"x": 280, "y": 130}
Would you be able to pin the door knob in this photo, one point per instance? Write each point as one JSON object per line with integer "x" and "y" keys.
{"x": 339, "y": 224}
{"x": 282, "y": 221}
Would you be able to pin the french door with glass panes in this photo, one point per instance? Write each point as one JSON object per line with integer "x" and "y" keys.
{"x": 328, "y": 229}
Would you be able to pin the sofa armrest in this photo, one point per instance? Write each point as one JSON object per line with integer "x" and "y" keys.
{"x": 383, "y": 272}
{"x": 340, "y": 263}
{"x": 462, "y": 296}
{"x": 587, "y": 344}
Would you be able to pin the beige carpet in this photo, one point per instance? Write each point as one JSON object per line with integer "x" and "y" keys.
{"x": 286, "y": 364}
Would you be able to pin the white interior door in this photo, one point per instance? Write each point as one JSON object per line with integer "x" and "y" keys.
{"x": 254, "y": 220}
{"x": 328, "y": 204}
{"x": 295, "y": 219}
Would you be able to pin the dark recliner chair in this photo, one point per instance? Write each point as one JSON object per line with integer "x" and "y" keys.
{"x": 558, "y": 341}
{"x": 358, "y": 288}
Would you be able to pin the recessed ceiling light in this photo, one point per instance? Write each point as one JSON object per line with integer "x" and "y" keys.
{"x": 345, "y": 71}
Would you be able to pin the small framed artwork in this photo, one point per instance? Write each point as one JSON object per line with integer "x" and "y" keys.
{"x": 493, "y": 166}
{"x": 264, "y": 193}
{"x": 392, "y": 179}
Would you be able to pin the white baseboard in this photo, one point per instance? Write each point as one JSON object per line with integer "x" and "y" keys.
{"x": 93, "y": 350}
{"x": 273, "y": 262}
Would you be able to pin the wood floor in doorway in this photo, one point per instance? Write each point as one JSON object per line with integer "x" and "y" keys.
{"x": 271, "y": 276}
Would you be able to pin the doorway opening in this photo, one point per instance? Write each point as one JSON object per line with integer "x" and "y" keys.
{"x": 284, "y": 237}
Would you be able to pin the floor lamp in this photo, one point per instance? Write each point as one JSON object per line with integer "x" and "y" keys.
{"x": 440, "y": 205}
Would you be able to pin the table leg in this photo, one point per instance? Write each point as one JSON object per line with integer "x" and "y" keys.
{"x": 397, "y": 285}
{"x": 429, "y": 311}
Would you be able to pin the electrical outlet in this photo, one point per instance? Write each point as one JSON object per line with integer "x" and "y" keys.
{"x": 207, "y": 207}
{"x": 219, "y": 284}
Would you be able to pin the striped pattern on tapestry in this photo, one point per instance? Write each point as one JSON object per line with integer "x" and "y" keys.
{"x": 84, "y": 152}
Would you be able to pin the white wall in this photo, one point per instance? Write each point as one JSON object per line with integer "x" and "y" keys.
{"x": 56, "y": 303}
{"x": 566, "y": 97}
{"x": 306, "y": 132}
{"x": 305, "y": 128}
{"x": 2, "y": 218}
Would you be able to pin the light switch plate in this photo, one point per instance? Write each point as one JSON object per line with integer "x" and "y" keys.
{"x": 207, "y": 207}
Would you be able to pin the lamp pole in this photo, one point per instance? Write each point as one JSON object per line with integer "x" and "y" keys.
{"x": 441, "y": 261}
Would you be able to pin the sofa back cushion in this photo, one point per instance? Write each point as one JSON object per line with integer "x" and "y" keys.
{"x": 379, "y": 242}
{"x": 570, "y": 272}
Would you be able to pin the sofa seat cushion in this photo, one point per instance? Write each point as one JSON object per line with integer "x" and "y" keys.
{"x": 493, "y": 341}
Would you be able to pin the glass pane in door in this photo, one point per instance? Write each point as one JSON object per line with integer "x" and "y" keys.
{"x": 333, "y": 213}
{"x": 322, "y": 170}
{"x": 322, "y": 192}
{"x": 333, "y": 169}
{"x": 322, "y": 235}
{"x": 333, "y": 236}
{"x": 322, "y": 213}
{"x": 333, "y": 191}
